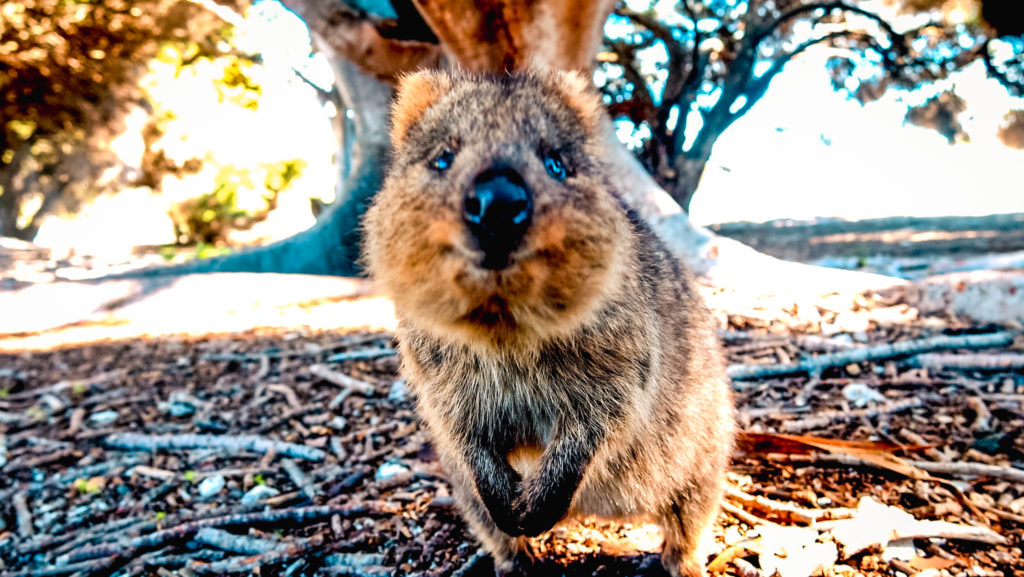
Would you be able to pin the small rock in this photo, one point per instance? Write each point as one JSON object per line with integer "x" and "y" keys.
{"x": 902, "y": 549}
{"x": 103, "y": 417}
{"x": 259, "y": 493}
{"x": 397, "y": 394}
{"x": 210, "y": 486}
{"x": 338, "y": 423}
{"x": 853, "y": 369}
{"x": 860, "y": 394}
{"x": 389, "y": 470}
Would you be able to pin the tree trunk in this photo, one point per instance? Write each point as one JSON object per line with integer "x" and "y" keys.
{"x": 9, "y": 214}
{"x": 331, "y": 246}
{"x": 10, "y": 197}
{"x": 688, "y": 171}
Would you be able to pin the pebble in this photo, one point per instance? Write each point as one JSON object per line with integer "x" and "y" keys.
{"x": 389, "y": 470}
{"x": 103, "y": 417}
{"x": 210, "y": 486}
{"x": 860, "y": 394}
{"x": 338, "y": 423}
{"x": 259, "y": 493}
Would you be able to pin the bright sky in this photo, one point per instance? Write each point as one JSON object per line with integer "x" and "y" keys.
{"x": 774, "y": 162}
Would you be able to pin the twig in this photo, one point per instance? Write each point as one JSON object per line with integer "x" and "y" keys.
{"x": 24, "y": 516}
{"x": 253, "y": 443}
{"x": 825, "y": 418}
{"x": 288, "y": 393}
{"x": 355, "y": 564}
{"x": 342, "y": 380}
{"x": 785, "y": 511}
{"x": 977, "y": 361}
{"x": 300, "y": 479}
{"x": 86, "y": 567}
{"x": 964, "y": 469}
{"x": 45, "y": 459}
{"x": 236, "y": 543}
{"x": 73, "y": 384}
{"x": 299, "y": 515}
{"x": 816, "y": 364}
{"x": 744, "y": 516}
{"x": 90, "y": 534}
{"x": 366, "y": 354}
{"x": 247, "y": 564}
{"x": 256, "y": 357}
{"x": 109, "y": 467}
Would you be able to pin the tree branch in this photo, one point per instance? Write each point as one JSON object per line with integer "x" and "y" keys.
{"x": 757, "y": 87}
{"x": 359, "y": 37}
{"x": 828, "y": 7}
{"x": 1014, "y": 87}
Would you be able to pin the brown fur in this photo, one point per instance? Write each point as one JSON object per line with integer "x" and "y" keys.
{"x": 584, "y": 377}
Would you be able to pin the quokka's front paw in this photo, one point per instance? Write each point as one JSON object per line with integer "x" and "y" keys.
{"x": 537, "y": 515}
{"x": 520, "y": 565}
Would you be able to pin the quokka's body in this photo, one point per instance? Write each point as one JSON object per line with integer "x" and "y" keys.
{"x": 560, "y": 357}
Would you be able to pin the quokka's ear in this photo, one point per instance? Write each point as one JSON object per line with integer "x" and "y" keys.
{"x": 415, "y": 94}
{"x": 579, "y": 93}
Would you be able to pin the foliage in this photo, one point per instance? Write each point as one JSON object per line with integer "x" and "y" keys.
{"x": 69, "y": 74}
{"x": 234, "y": 204}
{"x": 940, "y": 113}
{"x": 683, "y": 72}
{"x": 1012, "y": 130}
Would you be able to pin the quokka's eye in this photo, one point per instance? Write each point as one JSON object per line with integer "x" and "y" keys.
{"x": 443, "y": 161}
{"x": 554, "y": 165}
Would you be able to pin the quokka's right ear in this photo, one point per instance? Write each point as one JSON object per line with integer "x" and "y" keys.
{"x": 415, "y": 94}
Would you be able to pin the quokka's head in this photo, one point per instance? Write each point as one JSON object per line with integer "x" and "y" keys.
{"x": 496, "y": 222}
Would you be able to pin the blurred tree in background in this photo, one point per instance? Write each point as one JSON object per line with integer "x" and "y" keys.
{"x": 683, "y": 72}
{"x": 70, "y": 73}
{"x": 678, "y": 73}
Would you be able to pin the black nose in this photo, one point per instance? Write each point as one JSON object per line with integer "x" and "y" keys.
{"x": 497, "y": 210}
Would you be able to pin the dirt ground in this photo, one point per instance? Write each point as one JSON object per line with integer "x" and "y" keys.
{"x": 296, "y": 452}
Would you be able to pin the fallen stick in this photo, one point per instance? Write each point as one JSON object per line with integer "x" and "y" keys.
{"x": 299, "y": 478}
{"x": 968, "y": 469}
{"x": 74, "y": 384}
{"x": 342, "y": 380}
{"x": 253, "y": 443}
{"x": 236, "y": 543}
{"x": 978, "y": 361}
{"x": 85, "y": 567}
{"x": 366, "y": 354}
{"x": 740, "y": 372}
{"x": 748, "y": 518}
{"x": 247, "y": 564}
{"x": 23, "y": 515}
{"x": 785, "y": 511}
{"x": 301, "y": 515}
{"x": 255, "y": 357}
{"x": 825, "y": 418}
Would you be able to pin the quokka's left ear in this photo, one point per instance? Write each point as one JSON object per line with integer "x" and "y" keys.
{"x": 415, "y": 94}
